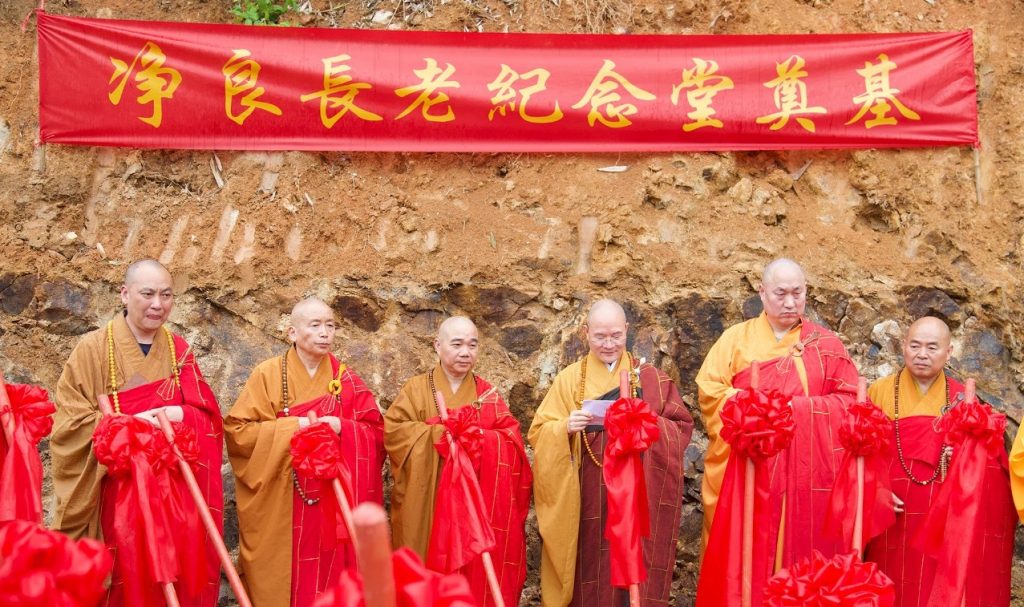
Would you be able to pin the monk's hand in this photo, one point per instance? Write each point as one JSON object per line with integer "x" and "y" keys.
{"x": 333, "y": 421}
{"x": 897, "y": 504}
{"x": 174, "y": 413}
{"x": 578, "y": 420}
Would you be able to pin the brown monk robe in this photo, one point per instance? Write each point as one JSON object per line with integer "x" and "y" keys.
{"x": 289, "y": 552}
{"x": 569, "y": 489}
{"x": 144, "y": 377}
{"x": 503, "y": 471}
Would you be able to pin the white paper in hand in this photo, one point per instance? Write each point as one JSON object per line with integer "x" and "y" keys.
{"x": 597, "y": 409}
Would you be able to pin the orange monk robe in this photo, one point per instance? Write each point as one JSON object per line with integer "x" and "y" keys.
{"x": 259, "y": 440}
{"x": 558, "y": 490}
{"x": 914, "y": 573}
{"x": 504, "y": 476}
{"x": 77, "y": 476}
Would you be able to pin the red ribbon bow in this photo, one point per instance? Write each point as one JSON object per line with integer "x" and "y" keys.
{"x": 316, "y": 453}
{"x": 842, "y": 581}
{"x": 757, "y": 424}
{"x": 21, "y": 473}
{"x": 415, "y": 586}
{"x": 865, "y": 431}
{"x": 631, "y": 429}
{"x": 41, "y": 567}
{"x": 464, "y": 426}
{"x": 975, "y": 421}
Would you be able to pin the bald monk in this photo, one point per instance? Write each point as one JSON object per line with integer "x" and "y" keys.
{"x": 289, "y": 552}
{"x": 144, "y": 368}
{"x": 913, "y": 398}
{"x": 411, "y": 431}
{"x": 568, "y": 483}
{"x": 810, "y": 366}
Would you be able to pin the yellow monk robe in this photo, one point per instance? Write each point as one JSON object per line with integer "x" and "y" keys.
{"x": 76, "y": 474}
{"x": 415, "y": 463}
{"x": 912, "y": 572}
{"x": 258, "y": 437}
{"x": 558, "y": 487}
{"x": 1017, "y": 471}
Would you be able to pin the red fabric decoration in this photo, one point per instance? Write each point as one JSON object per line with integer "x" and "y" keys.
{"x": 316, "y": 453}
{"x": 415, "y": 586}
{"x": 464, "y": 426}
{"x": 865, "y": 433}
{"x": 757, "y": 424}
{"x": 842, "y": 581}
{"x": 631, "y": 427}
{"x": 186, "y": 439}
{"x": 461, "y": 530}
{"x": 21, "y": 471}
{"x": 975, "y": 432}
{"x": 41, "y": 567}
{"x": 134, "y": 451}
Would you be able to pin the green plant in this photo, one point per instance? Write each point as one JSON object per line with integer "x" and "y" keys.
{"x": 261, "y": 12}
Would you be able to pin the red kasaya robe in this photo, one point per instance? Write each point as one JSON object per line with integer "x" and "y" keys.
{"x": 800, "y": 478}
{"x": 988, "y": 577}
{"x": 200, "y": 411}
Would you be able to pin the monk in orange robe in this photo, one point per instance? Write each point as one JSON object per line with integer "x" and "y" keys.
{"x": 289, "y": 552}
{"x": 569, "y": 485}
{"x": 914, "y": 397}
{"x": 809, "y": 365}
{"x": 411, "y": 433}
{"x": 144, "y": 368}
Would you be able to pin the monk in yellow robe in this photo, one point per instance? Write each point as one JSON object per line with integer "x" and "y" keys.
{"x": 808, "y": 365}
{"x": 291, "y": 549}
{"x": 144, "y": 368}
{"x": 413, "y": 435}
{"x": 914, "y": 397}
{"x": 1017, "y": 471}
{"x": 569, "y": 489}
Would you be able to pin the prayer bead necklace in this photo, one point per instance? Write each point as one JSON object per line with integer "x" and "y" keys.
{"x": 113, "y": 366}
{"x": 334, "y": 387}
{"x": 945, "y": 451}
{"x": 634, "y": 381}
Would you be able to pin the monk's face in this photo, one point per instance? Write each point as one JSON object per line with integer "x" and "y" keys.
{"x": 606, "y": 335}
{"x": 148, "y": 298}
{"x": 458, "y": 346}
{"x": 926, "y": 350}
{"x": 312, "y": 329}
{"x": 784, "y": 296}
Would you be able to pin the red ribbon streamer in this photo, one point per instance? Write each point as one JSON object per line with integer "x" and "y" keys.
{"x": 41, "y": 567}
{"x": 631, "y": 427}
{"x": 138, "y": 456}
{"x": 865, "y": 433}
{"x": 415, "y": 586}
{"x": 975, "y": 432}
{"x": 842, "y": 581}
{"x": 316, "y": 453}
{"x": 21, "y": 473}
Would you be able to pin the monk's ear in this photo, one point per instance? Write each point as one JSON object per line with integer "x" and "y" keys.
{"x": 584, "y": 330}
{"x": 291, "y": 334}
{"x": 437, "y": 346}
{"x": 124, "y": 294}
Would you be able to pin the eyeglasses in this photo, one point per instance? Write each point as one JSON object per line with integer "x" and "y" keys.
{"x": 610, "y": 340}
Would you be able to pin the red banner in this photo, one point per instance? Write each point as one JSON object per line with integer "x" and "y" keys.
{"x": 201, "y": 86}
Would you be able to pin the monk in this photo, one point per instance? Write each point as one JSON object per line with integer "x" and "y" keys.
{"x": 810, "y": 366}
{"x": 144, "y": 368}
{"x": 914, "y": 397}
{"x": 568, "y": 482}
{"x": 290, "y": 552}
{"x": 412, "y": 435}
